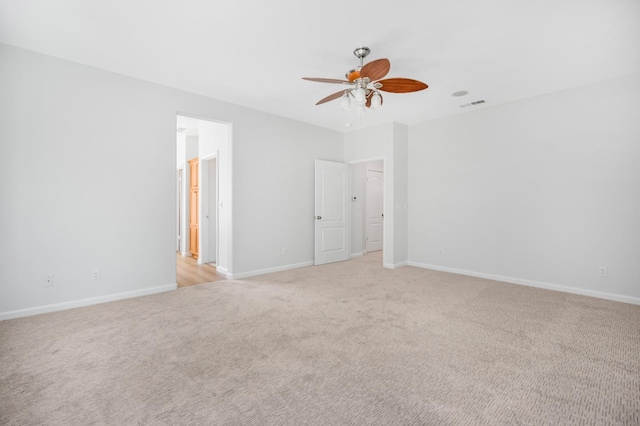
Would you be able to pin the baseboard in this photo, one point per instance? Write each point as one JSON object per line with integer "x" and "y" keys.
{"x": 223, "y": 271}
{"x": 268, "y": 270}
{"x": 84, "y": 302}
{"x": 394, "y": 265}
{"x": 357, "y": 254}
{"x": 530, "y": 283}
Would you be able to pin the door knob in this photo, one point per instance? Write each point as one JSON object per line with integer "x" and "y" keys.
{"x": 318, "y": 217}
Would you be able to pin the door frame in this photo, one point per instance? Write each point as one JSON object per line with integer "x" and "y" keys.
{"x": 179, "y": 209}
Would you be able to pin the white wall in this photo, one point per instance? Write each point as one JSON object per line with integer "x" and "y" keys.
{"x": 542, "y": 191}
{"x": 214, "y": 137}
{"x": 273, "y": 190}
{"x": 87, "y": 181}
{"x": 400, "y": 194}
{"x": 357, "y": 208}
{"x": 192, "y": 147}
{"x": 181, "y": 154}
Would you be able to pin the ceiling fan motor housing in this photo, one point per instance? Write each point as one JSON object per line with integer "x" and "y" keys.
{"x": 353, "y": 75}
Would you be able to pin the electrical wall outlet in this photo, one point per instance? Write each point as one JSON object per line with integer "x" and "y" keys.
{"x": 95, "y": 275}
{"x": 48, "y": 282}
{"x": 603, "y": 271}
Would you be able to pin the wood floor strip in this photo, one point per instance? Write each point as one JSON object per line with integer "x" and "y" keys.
{"x": 188, "y": 272}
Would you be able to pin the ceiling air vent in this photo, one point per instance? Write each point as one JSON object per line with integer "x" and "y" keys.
{"x": 474, "y": 103}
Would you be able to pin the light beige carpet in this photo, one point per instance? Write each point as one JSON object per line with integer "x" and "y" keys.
{"x": 342, "y": 344}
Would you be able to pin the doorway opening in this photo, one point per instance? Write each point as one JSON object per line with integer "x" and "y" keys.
{"x": 374, "y": 208}
{"x": 203, "y": 231}
{"x": 367, "y": 207}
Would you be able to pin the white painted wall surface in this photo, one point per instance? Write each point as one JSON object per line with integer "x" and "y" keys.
{"x": 181, "y": 150}
{"x": 357, "y": 208}
{"x": 87, "y": 181}
{"x": 400, "y": 193}
{"x": 273, "y": 190}
{"x": 545, "y": 190}
{"x": 192, "y": 147}
{"x": 214, "y": 137}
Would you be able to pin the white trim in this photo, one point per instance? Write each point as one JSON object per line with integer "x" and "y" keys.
{"x": 222, "y": 271}
{"x": 85, "y": 302}
{"x": 230, "y": 206}
{"x": 357, "y": 254}
{"x": 395, "y": 265}
{"x": 367, "y": 160}
{"x": 268, "y": 270}
{"x": 556, "y": 287}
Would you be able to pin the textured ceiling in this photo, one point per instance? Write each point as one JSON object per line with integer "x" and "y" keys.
{"x": 255, "y": 52}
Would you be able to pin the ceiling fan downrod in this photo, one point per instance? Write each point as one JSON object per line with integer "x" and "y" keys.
{"x": 361, "y": 53}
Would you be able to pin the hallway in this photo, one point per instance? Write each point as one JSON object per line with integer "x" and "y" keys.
{"x": 188, "y": 272}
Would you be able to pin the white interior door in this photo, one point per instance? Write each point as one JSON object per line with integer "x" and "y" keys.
{"x": 332, "y": 212}
{"x": 212, "y": 210}
{"x": 374, "y": 210}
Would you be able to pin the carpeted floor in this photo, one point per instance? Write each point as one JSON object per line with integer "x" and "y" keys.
{"x": 342, "y": 344}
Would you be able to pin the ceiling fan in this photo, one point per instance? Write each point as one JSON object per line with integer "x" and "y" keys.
{"x": 364, "y": 83}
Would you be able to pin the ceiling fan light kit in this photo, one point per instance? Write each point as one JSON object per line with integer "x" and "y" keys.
{"x": 365, "y": 84}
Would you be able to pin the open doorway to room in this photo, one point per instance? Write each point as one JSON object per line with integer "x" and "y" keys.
{"x": 367, "y": 208}
{"x": 203, "y": 200}
{"x": 374, "y": 209}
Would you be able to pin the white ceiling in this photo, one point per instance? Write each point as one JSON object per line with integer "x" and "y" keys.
{"x": 254, "y": 52}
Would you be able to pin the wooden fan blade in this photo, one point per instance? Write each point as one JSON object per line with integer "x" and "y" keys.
{"x": 326, "y": 80}
{"x": 401, "y": 85}
{"x": 375, "y": 70}
{"x": 331, "y": 97}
